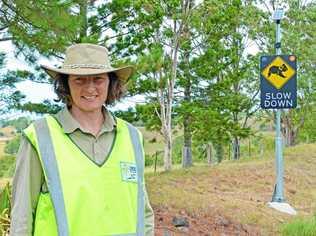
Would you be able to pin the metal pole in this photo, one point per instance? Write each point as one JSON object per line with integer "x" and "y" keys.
{"x": 278, "y": 189}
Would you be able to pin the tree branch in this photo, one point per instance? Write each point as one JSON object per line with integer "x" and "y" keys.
{"x": 6, "y": 39}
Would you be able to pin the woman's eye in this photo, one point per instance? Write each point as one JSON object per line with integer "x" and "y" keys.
{"x": 99, "y": 79}
{"x": 78, "y": 80}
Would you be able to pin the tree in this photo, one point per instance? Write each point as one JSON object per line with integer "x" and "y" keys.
{"x": 34, "y": 27}
{"x": 12, "y": 146}
{"x": 298, "y": 38}
{"x": 46, "y": 28}
{"x": 224, "y": 87}
{"x": 19, "y": 123}
{"x": 157, "y": 30}
{"x": 9, "y": 96}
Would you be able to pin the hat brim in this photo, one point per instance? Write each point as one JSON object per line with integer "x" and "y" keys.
{"x": 123, "y": 73}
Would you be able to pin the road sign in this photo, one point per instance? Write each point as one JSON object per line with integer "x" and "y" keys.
{"x": 278, "y": 82}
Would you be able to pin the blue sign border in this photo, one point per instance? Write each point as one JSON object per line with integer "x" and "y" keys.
{"x": 267, "y": 88}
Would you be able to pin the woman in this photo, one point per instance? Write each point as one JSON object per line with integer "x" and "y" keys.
{"x": 80, "y": 172}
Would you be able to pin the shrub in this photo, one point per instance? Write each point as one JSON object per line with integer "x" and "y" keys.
{"x": 7, "y": 166}
{"x": 5, "y": 208}
{"x": 12, "y": 146}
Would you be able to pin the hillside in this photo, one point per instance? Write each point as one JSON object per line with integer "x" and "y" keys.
{"x": 231, "y": 198}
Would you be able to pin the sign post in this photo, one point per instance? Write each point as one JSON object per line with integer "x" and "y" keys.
{"x": 278, "y": 91}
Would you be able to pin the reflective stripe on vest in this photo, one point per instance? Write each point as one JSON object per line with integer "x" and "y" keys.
{"x": 49, "y": 163}
{"x": 140, "y": 168}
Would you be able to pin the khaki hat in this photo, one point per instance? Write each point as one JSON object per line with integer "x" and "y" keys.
{"x": 88, "y": 59}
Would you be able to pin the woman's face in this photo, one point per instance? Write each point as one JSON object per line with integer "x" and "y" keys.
{"x": 88, "y": 93}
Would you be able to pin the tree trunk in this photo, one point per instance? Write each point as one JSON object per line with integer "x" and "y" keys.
{"x": 167, "y": 153}
{"x": 289, "y": 135}
{"x": 219, "y": 151}
{"x": 166, "y": 82}
{"x": 209, "y": 153}
{"x": 187, "y": 148}
{"x": 236, "y": 148}
{"x": 167, "y": 94}
{"x": 165, "y": 129}
{"x": 289, "y": 129}
{"x": 83, "y": 5}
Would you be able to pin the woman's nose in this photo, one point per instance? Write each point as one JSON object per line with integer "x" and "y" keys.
{"x": 90, "y": 85}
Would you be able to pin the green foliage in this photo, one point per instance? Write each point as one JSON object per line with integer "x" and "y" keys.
{"x": 19, "y": 124}
{"x": 36, "y": 28}
{"x": 46, "y": 107}
{"x": 5, "y": 198}
{"x": 130, "y": 115}
{"x": 298, "y": 38}
{"x": 12, "y": 146}
{"x": 5, "y": 209}
{"x": 302, "y": 227}
{"x": 9, "y": 96}
{"x": 7, "y": 166}
{"x": 215, "y": 90}
{"x": 308, "y": 132}
{"x": 148, "y": 115}
{"x": 222, "y": 84}
{"x": 45, "y": 26}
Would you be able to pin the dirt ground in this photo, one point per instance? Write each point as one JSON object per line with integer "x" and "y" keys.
{"x": 212, "y": 224}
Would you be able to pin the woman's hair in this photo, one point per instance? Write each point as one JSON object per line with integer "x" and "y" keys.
{"x": 115, "y": 91}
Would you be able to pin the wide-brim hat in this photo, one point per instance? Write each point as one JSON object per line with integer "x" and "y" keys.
{"x": 88, "y": 59}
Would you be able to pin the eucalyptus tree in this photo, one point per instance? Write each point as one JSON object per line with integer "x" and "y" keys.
{"x": 228, "y": 86}
{"x": 162, "y": 24}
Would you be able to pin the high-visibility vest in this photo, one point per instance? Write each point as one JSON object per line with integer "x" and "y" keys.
{"x": 83, "y": 198}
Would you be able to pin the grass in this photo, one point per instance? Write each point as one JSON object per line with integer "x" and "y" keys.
{"x": 302, "y": 227}
{"x": 2, "y": 145}
{"x": 240, "y": 190}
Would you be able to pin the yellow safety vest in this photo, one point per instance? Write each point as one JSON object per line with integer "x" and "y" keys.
{"x": 83, "y": 198}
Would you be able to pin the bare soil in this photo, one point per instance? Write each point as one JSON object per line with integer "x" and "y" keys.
{"x": 199, "y": 224}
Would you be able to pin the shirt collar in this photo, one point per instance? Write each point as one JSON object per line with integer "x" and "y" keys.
{"x": 70, "y": 124}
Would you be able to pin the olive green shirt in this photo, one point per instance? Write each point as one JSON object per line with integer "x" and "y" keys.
{"x": 28, "y": 181}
